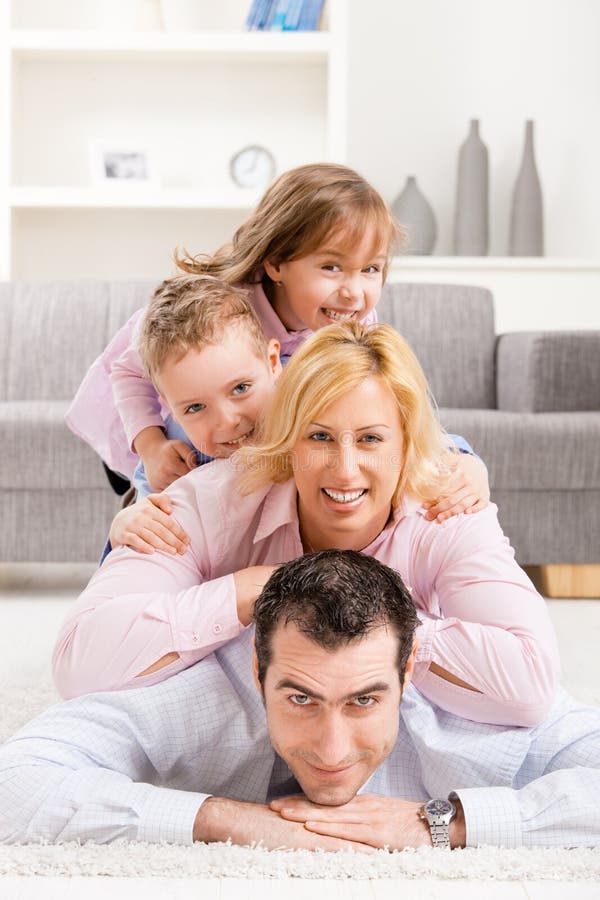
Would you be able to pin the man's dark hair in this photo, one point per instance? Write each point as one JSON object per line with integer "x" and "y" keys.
{"x": 334, "y": 597}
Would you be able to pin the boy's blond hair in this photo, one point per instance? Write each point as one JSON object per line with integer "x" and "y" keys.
{"x": 191, "y": 311}
{"x": 329, "y": 364}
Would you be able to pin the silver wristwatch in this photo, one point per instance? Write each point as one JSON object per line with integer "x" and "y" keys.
{"x": 438, "y": 814}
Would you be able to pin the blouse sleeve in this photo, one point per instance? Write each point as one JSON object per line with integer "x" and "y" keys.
{"x": 483, "y": 621}
{"x": 135, "y": 396}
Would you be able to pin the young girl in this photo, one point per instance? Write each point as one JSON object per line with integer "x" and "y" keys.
{"x": 315, "y": 251}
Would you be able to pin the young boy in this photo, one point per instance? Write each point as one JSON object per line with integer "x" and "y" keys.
{"x": 202, "y": 345}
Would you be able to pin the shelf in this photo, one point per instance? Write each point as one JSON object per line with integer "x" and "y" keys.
{"x": 281, "y": 46}
{"x": 130, "y": 197}
{"x": 493, "y": 264}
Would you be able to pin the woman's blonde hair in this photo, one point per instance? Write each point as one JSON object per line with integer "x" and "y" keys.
{"x": 301, "y": 210}
{"x": 332, "y": 362}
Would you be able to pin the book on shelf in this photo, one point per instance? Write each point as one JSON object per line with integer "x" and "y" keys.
{"x": 284, "y": 15}
{"x": 310, "y": 15}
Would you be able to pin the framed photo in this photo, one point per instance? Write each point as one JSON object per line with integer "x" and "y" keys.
{"x": 122, "y": 164}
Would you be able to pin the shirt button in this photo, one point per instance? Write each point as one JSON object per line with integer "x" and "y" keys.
{"x": 195, "y": 638}
{"x": 217, "y": 629}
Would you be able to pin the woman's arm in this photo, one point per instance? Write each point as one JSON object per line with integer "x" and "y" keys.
{"x": 483, "y": 625}
{"x": 145, "y": 617}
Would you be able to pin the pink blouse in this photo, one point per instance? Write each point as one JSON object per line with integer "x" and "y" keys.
{"x": 481, "y": 618}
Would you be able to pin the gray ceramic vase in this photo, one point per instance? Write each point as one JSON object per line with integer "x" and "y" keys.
{"x": 415, "y": 214}
{"x": 471, "y": 214}
{"x": 527, "y": 215}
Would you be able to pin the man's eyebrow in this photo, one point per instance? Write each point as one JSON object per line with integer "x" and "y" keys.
{"x": 378, "y": 687}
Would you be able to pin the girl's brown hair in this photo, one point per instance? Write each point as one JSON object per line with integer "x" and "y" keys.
{"x": 300, "y": 211}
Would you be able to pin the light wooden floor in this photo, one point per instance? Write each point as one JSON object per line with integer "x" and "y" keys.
{"x": 33, "y": 602}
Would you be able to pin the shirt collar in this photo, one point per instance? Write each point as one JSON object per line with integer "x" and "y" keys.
{"x": 272, "y": 324}
{"x": 279, "y": 509}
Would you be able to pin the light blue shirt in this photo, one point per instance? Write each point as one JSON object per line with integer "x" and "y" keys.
{"x": 174, "y": 432}
{"x": 138, "y": 764}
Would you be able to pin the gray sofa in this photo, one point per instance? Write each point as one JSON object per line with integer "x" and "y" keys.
{"x": 528, "y": 403}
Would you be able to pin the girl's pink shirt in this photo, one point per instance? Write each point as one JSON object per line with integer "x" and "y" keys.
{"x": 481, "y": 618}
{"x": 116, "y": 401}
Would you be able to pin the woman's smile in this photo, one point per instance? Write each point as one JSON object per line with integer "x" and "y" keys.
{"x": 347, "y": 465}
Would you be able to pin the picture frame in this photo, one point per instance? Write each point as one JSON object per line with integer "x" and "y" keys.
{"x": 122, "y": 164}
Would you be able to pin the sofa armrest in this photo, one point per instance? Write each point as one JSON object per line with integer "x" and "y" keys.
{"x": 548, "y": 371}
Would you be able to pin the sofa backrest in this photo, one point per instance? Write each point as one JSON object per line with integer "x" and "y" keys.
{"x": 50, "y": 333}
{"x": 451, "y": 329}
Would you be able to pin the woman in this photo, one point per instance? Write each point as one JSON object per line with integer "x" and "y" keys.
{"x": 349, "y": 449}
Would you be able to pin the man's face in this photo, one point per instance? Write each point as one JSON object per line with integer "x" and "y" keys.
{"x": 333, "y": 714}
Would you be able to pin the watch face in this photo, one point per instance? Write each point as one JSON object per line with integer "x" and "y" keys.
{"x": 252, "y": 167}
{"x": 438, "y": 807}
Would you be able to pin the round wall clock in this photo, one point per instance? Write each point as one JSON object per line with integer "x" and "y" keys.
{"x": 252, "y": 167}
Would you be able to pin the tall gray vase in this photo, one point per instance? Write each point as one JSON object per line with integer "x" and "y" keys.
{"x": 527, "y": 214}
{"x": 415, "y": 214}
{"x": 471, "y": 215}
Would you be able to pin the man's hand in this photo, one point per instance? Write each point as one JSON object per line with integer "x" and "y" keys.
{"x": 219, "y": 819}
{"x": 367, "y": 819}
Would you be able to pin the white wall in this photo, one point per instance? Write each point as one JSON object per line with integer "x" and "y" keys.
{"x": 420, "y": 69}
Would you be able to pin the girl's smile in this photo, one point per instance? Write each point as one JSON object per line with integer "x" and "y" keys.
{"x": 327, "y": 286}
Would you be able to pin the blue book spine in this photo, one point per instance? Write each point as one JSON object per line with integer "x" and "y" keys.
{"x": 278, "y": 15}
{"x": 311, "y": 13}
{"x": 265, "y": 12}
{"x": 251, "y": 18}
{"x": 292, "y": 16}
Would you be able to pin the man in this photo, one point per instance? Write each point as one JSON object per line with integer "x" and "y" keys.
{"x": 323, "y": 754}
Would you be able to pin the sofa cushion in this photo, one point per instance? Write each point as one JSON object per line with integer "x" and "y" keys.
{"x": 548, "y": 371}
{"x": 50, "y": 333}
{"x": 545, "y": 451}
{"x": 39, "y": 451}
{"x": 451, "y": 329}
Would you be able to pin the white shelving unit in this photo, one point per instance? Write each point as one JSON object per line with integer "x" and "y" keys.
{"x": 541, "y": 293}
{"x": 190, "y": 99}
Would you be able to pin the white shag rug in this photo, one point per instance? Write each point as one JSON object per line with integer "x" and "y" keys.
{"x": 138, "y": 860}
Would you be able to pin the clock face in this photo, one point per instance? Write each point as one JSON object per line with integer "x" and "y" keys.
{"x": 252, "y": 167}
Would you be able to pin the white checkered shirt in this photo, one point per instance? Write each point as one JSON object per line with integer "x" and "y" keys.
{"x": 137, "y": 764}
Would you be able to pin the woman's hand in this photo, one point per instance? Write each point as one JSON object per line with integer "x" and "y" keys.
{"x": 467, "y": 490}
{"x": 164, "y": 461}
{"x": 248, "y": 585}
{"x": 148, "y": 526}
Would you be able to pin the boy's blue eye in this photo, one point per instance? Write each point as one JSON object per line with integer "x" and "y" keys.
{"x": 372, "y": 270}
{"x": 331, "y": 267}
{"x": 194, "y": 408}
{"x": 242, "y": 387}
